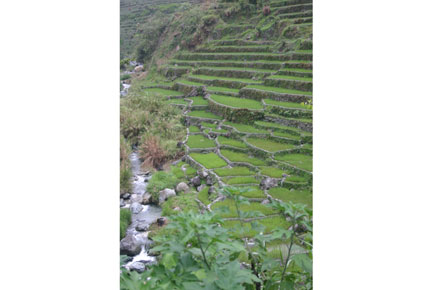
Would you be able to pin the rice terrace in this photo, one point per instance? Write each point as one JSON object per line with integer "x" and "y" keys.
{"x": 216, "y": 155}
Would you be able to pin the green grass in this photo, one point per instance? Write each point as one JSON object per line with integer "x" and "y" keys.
{"x": 186, "y": 202}
{"x": 237, "y": 102}
{"x": 287, "y": 104}
{"x": 186, "y": 82}
{"x": 234, "y": 171}
{"x": 296, "y": 196}
{"x": 177, "y": 101}
{"x": 208, "y": 125}
{"x": 298, "y": 160}
{"x": 199, "y": 101}
{"x": 247, "y": 69}
{"x": 300, "y": 70}
{"x": 286, "y": 135}
{"x": 163, "y": 92}
{"x": 204, "y": 114}
{"x": 209, "y": 160}
{"x": 203, "y": 196}
{"x": 200, "y": 141}
{"x": 253, "y": 206}
{"x": 213, "y": 62}
{"x": 177, "y": 171}
{"x": 231, "y": 142}
{"x": 124, "y": 221}
{"x": 278, "y": 90}
{"x": 220, "y": 130}
{"x": 304, "y": 120}
{"x": 290, "y": 78}
{"x": 296, "y": 178}
{"x": 255, "y": 192}
{"x": 241, "y": 180}
{"x": 211, "y": 78}
{"x": 222, "y": 89}
{"x": 246, "y": 128}
{"x": 272, "y": 125}
{"x": 269, "y": 145}
{"x": 242, "y": 157}
{"x": 269, "y": 225}
{"x": 194, "y": 129}
{"x": 273, "y": 172}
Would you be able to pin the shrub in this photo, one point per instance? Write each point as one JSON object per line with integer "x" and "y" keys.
{"x": 124, "y": 221}
{"x": 125, "y": 166}
{"x": 159, "y": 181}
{"x": 266, "y": 10}
{"x": 209, "y": 20}
{"x": 152, "y": 153}
{"x": 125, "y": 77}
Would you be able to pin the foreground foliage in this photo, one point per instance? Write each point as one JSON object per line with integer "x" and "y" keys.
{"x": 197, "y": 251}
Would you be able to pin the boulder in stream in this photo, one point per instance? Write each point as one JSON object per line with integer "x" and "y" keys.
{"x": 130, "y": 245}
{"x": 136, "y": 207}
{"x": 142, "y": 226}
{"x": 146, "y": 198}
{"x": 137, "y": 266}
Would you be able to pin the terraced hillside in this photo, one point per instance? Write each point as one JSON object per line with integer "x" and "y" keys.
{"x": 134, "y": 15}
{"x": 247, "y": 97}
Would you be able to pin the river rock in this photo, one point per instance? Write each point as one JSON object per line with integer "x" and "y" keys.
{"x": 202, "y": 174}
{"x": 196, "y": 181}
{"x": 122, "y": 203}
{"x": 130, "y": 246}
{"x": 135, "y": 198}
{"x": 142, "y": 226}
{"x": 165, "y": 194}
{"x": 137, "y": 266}
{"x": 139, "y": 68}
{"x": 126, "y": 196}
{"x": 209, "y": 181}
{"x": 182, "y": 187}
{"x": 146, "y": 198}
{"x": 136, "y": 207}
{"x": 268, "y": 183}
{"x": 162, "y": 221}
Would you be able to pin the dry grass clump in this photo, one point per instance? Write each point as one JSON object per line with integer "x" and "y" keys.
{"x": 152, "y": 153}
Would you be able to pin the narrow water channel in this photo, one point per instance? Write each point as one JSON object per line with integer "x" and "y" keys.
{"x": 142, "y": 217}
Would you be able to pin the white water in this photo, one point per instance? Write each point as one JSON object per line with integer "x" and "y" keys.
{"x": 149, "y": 213}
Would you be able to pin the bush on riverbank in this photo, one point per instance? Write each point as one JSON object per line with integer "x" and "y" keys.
{"x": 124, "y": 221}
{"x": 125, "y": 168}
{"x": 159, "y": 181}
{"x": 147, "y": 120}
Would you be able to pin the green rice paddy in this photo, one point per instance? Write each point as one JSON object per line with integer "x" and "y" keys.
{"x": 269, "y": 145}
{"x": 209, "y": 160}
{"x": 237, "y": 102}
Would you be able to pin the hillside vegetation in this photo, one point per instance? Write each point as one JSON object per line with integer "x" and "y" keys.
{"x": 237, "y": 80}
